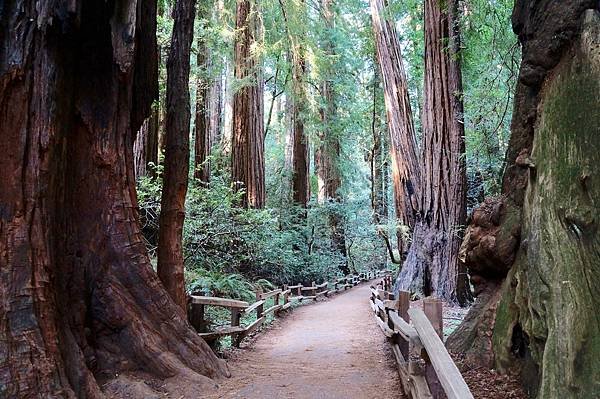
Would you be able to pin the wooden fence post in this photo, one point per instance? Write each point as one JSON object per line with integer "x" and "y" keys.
{"x": 196, "y": 315}
{"x": 432, "y": 308}
{"x": 285, "y": 296}
{"x": 403, "y": 304}
{"x": 259, "y": 309}
{"x": 235, "y": 322}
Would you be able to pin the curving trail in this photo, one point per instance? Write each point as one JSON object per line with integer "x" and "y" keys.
{"x": 332, "y": 349}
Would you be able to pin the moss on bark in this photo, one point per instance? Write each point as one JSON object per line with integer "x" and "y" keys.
{"x": 549, "y": 312}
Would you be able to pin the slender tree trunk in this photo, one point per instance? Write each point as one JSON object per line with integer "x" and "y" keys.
{"x": 177, "y": 154}
{"x": 247, "y": 150}
{"x": 405, "y": 168}
{"x": 378, "y": 162}
{"x": 378, "y": 175}
{"x": 301, "y": 154}
{"x": 81, "y": 304}
{"x": 328, "y": 151}
{"x": 203, "y": 139}
{"x": 208, "y": 106}
{"x": 432, "y": 266}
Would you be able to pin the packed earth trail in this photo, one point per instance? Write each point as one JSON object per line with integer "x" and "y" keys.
{"x": 333, "y": 349}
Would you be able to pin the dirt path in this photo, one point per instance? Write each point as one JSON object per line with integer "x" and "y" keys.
{"x": 332, "y": 349}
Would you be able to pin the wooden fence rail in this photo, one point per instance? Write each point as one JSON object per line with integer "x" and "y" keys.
{"x": 425, "y": 367}
{"x": 282, "y": 300}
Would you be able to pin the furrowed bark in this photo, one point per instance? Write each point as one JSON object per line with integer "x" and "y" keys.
{"x": 538, "y": 241}
{"x": 432, "y": 266}
{"x": 247, "y": 141}
{"x": 80, "y": 301}
{"x": 177, "y": 154}
{"x": 403, "y": 148}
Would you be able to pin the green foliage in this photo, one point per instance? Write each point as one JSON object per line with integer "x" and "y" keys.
{"x": 225, "y": 247}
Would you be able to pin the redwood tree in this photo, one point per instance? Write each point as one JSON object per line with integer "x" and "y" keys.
{"x": 379, "y": 171}
{"x": 208, "y": 105}
{"x": 146, "y": 140}
{"x": 297, "y": 104}
{"x": 328, "y": 151}
{"x": 80, "y": 301}
{"x": 247, "y": 139}
{"x": 533, "y": 252}
{"x": 403, "y": 148}
{"x": 432, "y": 266}
{"x": 177, "y": 154}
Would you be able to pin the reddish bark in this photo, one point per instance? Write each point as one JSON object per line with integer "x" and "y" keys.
{"x": 247, "y": 139}
{"x": 432, "y": 266}
{"x": 177, "y": 154}
{"x": 80, "y": 302}
{"x": 403, "y": 148}
{"x": 300, "y": 144}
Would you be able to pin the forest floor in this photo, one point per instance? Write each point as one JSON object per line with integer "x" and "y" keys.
{"x": 333, "y": 349}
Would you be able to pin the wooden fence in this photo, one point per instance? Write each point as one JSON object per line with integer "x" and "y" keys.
{"x": 425, "y": 367}
{"x": 283, "y": 299}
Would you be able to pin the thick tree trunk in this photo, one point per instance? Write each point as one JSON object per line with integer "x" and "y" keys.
{"x": 247, "y": 141}
{"x": 538, "y": 242}
{"x": 177, "y": 154}
{"x": 432, "y": 266}
{"x": 405, "y": 168}
{"x": 145, "y": 146}
{"x": 80, "y": 302}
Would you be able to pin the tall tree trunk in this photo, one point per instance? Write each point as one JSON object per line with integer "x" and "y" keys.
{"x": 298, "y": 100}
{"x": 145, "y": 146}
{"x": 432, "y": 266}
{"x": 80, "y": 301}
{"x": 247, "y": 149}
{"x": 300, "y": 152}
{"x": 378, "y": 176}
{"x": 533, "y": 252}
{"x": 208, "y": 106}
{"x": 203, "y": 139}
{"x": 177, "y": 154}
{"x": 328, "y": 151}
{"x": 405, "y": 168}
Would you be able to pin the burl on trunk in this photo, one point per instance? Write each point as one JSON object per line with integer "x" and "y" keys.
{"x": 533, "y": 253}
